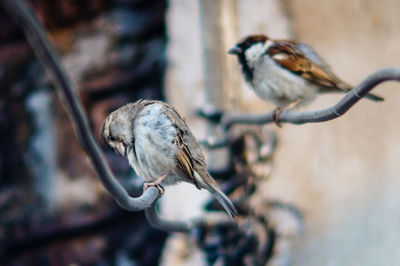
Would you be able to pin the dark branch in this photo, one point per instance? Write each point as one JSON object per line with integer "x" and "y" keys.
{"x": 228, "y": 119}
{"x": 27, "y": 20}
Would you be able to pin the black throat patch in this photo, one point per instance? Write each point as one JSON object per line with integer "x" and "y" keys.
{"x": 246, "y": 69}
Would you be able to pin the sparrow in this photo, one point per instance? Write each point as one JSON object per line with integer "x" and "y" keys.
{"x": 160, "y": 147}
{"x": 287, "y": 73}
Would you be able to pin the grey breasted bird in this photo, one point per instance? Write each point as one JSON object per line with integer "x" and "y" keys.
{"x": 286, "y": 73}
{"x": 160, "y": 147}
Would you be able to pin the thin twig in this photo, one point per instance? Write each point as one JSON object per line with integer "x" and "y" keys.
{"x": 228, "y": 119}
{"x": 42, "y": 47}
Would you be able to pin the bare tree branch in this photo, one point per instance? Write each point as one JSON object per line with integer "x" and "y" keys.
{"x": 42, "y": 47}
{"x": 229, "y": 119}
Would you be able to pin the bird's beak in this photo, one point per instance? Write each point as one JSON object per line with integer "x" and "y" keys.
{"x": 235, "y": 50}
{"x": 120, "y": 149}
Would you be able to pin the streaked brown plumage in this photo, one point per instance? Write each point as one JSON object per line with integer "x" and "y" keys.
{"x": 158, "y": 143}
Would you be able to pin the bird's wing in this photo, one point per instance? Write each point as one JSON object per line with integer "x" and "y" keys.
{"x": 289, "y": 55}
{"x": 189, "y": 156}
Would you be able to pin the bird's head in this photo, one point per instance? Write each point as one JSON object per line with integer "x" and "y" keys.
{"x": 251, "y": 47}
{"x": 249, "y": 50}
{"x": 117, "y": 129}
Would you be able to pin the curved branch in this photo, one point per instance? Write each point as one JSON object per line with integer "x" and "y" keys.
{"x": 27, "y": 20}
{"x": 160, "y": 223}
{"x": 227, "y": 120}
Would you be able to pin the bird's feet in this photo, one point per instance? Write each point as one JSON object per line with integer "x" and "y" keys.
{"x": 279, "y": 110}
{"x": 156, "y": 183}
{"x": 275, "y": 116}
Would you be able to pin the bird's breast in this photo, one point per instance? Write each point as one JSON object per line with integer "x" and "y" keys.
{"x": 154, "y": 143}
{"x": 274, "y": 83}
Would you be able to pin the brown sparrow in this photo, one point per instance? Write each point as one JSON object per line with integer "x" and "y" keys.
{"x": 287, "y": 73}
{"x": 160, "y": 147}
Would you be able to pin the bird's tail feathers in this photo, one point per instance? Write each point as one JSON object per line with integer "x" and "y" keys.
{"x": 226, "y": 203}
{"x": 346, "y": 88}
{"x": 374, "y": 97}
{"x": 213, "y": 188}
{"x": 370, "y": 96}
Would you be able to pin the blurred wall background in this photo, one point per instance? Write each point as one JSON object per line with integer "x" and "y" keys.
{"x": 342, "y": 174}
{"x": 53, "y": 209}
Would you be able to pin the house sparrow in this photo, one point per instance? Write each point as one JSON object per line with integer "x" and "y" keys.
{"x": 160, "y": 147}
{"x": 287, "y": 73}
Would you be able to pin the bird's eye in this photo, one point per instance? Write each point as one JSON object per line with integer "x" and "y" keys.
{"x": 112, "y": 137}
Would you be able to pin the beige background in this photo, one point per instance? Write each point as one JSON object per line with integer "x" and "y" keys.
{"x": 342, "y": 174}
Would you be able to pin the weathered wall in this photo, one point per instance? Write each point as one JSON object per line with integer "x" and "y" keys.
{"x": 53, "y": 208}
{"x": 342, "y": 174}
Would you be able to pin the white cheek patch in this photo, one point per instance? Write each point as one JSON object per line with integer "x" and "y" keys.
{"x": 254, "y": 52}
